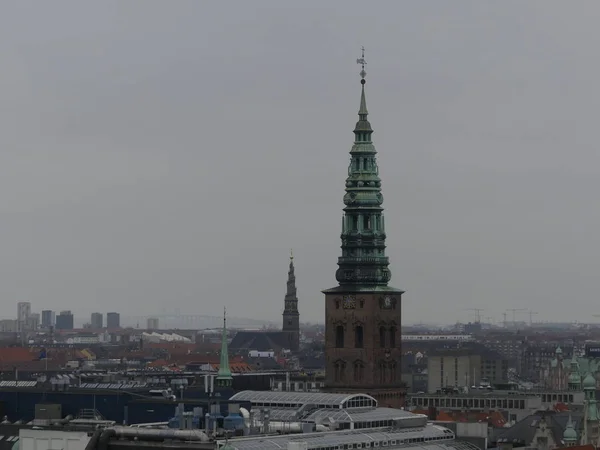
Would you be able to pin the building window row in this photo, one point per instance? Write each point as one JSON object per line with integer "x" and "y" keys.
{"x": 359, "y": 336}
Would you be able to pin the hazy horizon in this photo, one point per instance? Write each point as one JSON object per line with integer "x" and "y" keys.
{"x": 168, "y": 155}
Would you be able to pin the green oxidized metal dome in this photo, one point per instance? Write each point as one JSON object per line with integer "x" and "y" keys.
{"x": 589, "y": 382}
{"x": 570, "y": 434}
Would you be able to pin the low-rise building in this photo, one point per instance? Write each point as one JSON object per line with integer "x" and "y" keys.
{"x": 465, "y": 366}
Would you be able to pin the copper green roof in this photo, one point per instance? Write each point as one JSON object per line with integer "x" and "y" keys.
{"x": 570, "y": 434}
{"x": 363, "y": 265}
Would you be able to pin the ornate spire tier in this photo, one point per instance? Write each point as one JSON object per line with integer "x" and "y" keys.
{"x": 363, "y": 261}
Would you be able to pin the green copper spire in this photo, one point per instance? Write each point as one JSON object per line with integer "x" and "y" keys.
{"x": 224, "y": 378}
{"x": 570, "y": 434}
{"x": 363, "y": 261}
{"x": 574, "y": 376}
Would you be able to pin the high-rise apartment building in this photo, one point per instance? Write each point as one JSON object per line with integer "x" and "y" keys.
{"x": 48, "y": 318}
{"x": 23, "y": 313}
{"x": 152, "y": 323}
{"x": 113, "y": 320}
{"x": 33, "y": 322}
{"x": 64, "y": 321}
{"x": 97, "y": 320}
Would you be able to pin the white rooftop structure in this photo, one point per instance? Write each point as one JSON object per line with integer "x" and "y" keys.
{"x": 298, "y": 399}
{"x": 431, "y": 437}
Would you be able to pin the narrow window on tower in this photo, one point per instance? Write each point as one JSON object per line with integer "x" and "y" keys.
{"x": 382, "y": 336}
{"x": 358, "y": 336}
{"x": 339, "y": 336}
{"x": 367, "y": 222}
{"x": 393, "y": 371}
{"x": 358, "y": 371}
{"x": 392, "y": 337}
{"x": 355, "y": 223}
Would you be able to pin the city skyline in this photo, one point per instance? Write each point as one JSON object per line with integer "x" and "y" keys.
{"x": 169, "y": 156}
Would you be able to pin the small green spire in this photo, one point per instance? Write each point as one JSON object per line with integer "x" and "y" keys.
{"x": 570, "y": 434}
{"x": 224, "y": 378}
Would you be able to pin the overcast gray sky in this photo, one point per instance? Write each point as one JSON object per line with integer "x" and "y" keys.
{"x": 167, "y": 154}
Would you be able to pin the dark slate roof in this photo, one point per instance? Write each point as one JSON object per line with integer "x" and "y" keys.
{"x": 313, "y": 362}
{"x": 522, "y": 432}
{"x": 264, "y": 363}
{"x": 259, "y": 340}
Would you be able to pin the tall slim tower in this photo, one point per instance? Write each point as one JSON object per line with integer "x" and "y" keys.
{"x": 224, "y": 378}
{"x": 291, "y": 316}
{"x": 363, "y": 313}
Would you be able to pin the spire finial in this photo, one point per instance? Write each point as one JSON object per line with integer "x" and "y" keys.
{"x": 363, "y": 63}
{"x": 291, "y": 254}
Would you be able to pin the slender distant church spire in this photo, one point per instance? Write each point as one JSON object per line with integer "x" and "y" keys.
{"x": 363, "y": 261}
{"x": 291, "y": 299}
{"x": 224, "y": 378}
{"x": 291, "y": 316}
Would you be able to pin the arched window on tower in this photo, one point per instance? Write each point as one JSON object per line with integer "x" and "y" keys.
{"x": 359, "y": 336}
{"x": 339, "y": 370}
{"x": 382, "y": 336}
{"x": 359, "y": 369}
{"x": 339, "y": 336}
{"x": 392, "y": 336}
{"x": 366, "y": 222}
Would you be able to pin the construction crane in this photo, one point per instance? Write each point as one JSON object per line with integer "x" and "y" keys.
{"x": 477, "y": 313}
{"x": 515, "y": 310}
{"x": 531, "y": 314}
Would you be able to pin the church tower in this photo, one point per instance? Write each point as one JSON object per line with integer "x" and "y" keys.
{"x": 291, "y": 316}
{"x": 363, "y": 313}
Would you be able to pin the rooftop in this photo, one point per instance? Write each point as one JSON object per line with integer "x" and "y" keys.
{"x": 432, "y": 437}
{"x": 297, "y": 399}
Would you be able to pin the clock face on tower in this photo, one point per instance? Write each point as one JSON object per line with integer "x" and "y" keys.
{"x": 349, "y": 302}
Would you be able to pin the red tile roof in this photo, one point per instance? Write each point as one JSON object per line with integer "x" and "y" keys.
{"x": 17, "y": 354}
